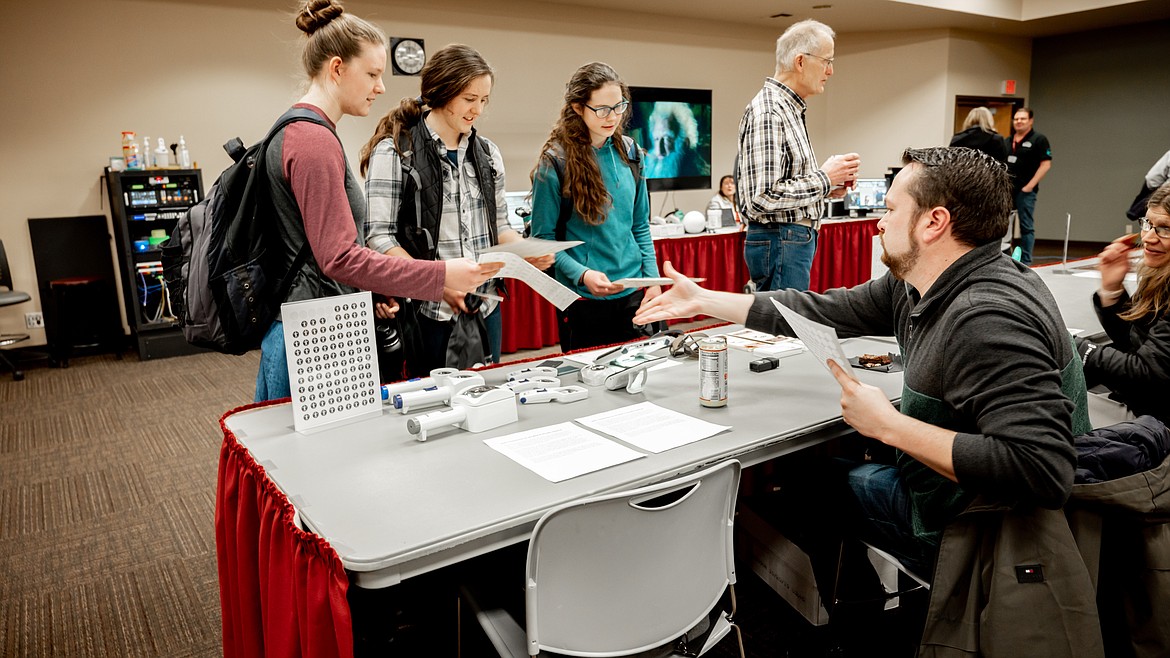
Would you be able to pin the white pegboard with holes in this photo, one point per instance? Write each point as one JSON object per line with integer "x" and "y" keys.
{"x": 332, "y": 360}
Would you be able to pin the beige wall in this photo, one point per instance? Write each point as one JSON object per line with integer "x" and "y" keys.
{"x": 211, "y": 71}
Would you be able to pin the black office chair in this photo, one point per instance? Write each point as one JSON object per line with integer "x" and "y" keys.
{"x": 8, "y": 297}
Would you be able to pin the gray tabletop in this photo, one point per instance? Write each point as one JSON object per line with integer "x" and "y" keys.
{"x": 393, "y": 507}
{"x": 1073, "y": 287}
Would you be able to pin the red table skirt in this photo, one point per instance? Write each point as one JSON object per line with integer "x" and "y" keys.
{"x": 844, "y": 254}
{"x": 843, "y": 258}
{"x": 282, "y": 590}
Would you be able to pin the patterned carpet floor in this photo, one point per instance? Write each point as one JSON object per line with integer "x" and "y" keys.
{"x": 107, "y": 493}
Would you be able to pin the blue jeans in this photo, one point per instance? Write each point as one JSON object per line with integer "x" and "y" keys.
{"x": 779, "y": 256}
{"x": 883, "y": 504}
{"x": 1026, "y": 207}
{"x": 272, "y": 380}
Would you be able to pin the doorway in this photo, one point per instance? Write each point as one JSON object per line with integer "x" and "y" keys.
{"x": 1002, "y": 108}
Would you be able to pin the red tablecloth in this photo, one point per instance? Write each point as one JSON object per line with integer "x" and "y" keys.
{"x": 843, "y": 259}
{"x": 844, "y": 254}
{"x": 282, "y": 591}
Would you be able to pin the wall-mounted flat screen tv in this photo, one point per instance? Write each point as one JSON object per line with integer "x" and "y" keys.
{"x": 674, "y": 128}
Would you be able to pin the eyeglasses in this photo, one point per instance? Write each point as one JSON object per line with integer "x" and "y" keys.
{"x": 827, "y": 60}
{"x": 1160, "y": 231}
{"x": 605, "y": 110}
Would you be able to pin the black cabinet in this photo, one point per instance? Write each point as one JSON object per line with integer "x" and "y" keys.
{"x": 144, "y": 206}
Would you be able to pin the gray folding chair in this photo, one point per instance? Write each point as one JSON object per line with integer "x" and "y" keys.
{"x": 625, "y": 573}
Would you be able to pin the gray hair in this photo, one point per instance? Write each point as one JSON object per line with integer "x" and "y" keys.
{"x": 807, "y": 36}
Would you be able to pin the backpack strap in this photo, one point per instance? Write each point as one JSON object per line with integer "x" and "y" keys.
{"x": 293, "y": 115}
{"x": 558, "y": 164}
{"x": 632, "y": 152}
{"x": 406, "y": 156}
{"x": 481, "y": 154}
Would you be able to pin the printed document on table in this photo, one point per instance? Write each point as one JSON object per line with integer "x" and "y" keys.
{"x": 533, "y": 247}
{"x": 515, "y": 267}
{"x": 560, "y": 452}
{"x": 821, "y": 340}
{"x": 758, "y": 342}
{"x": 651, "y": 427}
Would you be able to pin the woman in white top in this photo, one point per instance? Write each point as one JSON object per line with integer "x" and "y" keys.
{"x": 725, "y": 200}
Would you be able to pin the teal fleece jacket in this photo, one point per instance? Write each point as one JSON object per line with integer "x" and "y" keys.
{"x": 620, "y": 246}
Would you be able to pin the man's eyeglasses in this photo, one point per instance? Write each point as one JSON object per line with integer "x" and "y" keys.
{"x": 1160, "y": 231}
{"x": 827, "y": 60}
{"x": 605, "y": 110}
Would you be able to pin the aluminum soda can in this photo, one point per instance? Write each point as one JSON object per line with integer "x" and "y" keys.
{"x": 713, "y": 371}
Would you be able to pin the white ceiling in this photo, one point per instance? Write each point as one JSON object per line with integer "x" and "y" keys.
{"x": 844, "y": 16}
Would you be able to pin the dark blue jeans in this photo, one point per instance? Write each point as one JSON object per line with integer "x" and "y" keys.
{"x": 779, "y": 256}
{"x": 1026, "y": 207}
{"x": 883, "y": 505}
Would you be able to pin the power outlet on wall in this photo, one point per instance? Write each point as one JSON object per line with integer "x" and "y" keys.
{"x": 34, "y": 320}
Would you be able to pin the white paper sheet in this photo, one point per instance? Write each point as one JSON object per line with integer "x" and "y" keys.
{"x": 560, "y": 452}
{"x": 821, "y": 340}
{"x": 515, "y": 267}
{"x": 651, "y": 427}
{"x": 646, "y": 282}
{"x": 532, "y": 247}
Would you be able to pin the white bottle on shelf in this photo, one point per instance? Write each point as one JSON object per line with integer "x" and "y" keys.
{"x": 162, "y": 158}
{"x": 145, "y": 154}
{"x": 184, "y": 155}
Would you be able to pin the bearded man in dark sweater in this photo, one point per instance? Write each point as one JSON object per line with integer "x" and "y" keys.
{"x": 993, "y": 390}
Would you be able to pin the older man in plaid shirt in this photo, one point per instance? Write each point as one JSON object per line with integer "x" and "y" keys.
{"x": 780, "y": 190}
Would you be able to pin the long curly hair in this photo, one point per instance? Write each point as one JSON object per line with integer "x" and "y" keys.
{"x": 570, "y": 139}
{"x": 1153, "y": 290}
{"x": 443, "y": 77}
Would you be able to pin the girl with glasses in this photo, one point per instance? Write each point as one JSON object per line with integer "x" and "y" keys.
{"x": 1136, "y": 366}
{"x": 588, "y": 186}
{"x": 435, "y": 190}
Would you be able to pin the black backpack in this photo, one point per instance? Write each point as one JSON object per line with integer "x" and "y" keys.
{"x": 225, "y": 278}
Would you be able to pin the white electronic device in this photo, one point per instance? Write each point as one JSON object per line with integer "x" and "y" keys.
{"x": 475, "y": 409}
{"x": 594, "y": 375}
{"x": 564, "y": 394}
{"x": 633, "y": 378}
{"x": 631, "y": 375}
{"x": 534, "y": 371}
{"x": 438, "y": 377}
{"x": 521, "y": 385}
{"x": 456, "y": 382}
{"x": 633, "y": 352}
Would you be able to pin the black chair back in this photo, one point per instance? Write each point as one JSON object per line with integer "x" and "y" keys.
{"x": 5, "y": 273}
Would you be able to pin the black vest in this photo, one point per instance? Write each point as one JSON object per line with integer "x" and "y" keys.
{"x": 422, "y": 168}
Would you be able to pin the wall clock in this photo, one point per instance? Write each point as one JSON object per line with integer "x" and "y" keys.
{"x": 407, "y": 56}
